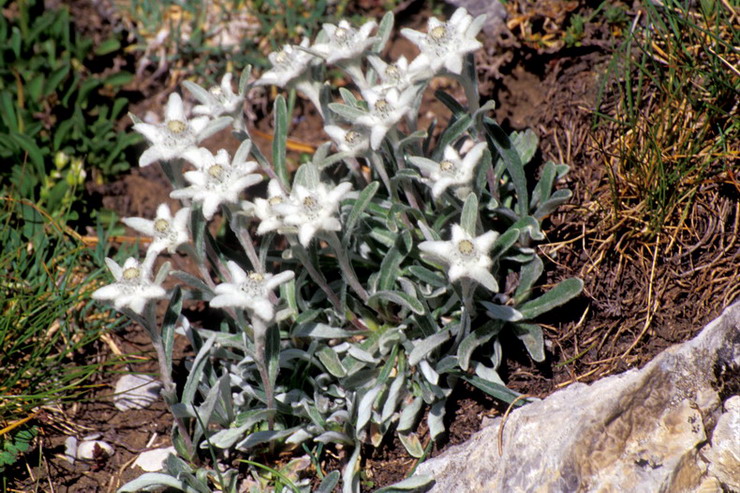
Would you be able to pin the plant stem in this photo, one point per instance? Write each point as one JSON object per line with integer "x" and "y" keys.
{"x": 245, "y": 239}
{"x": 349, "y": 273}
{"x": 169, "y": 389}
{"x": 318, "y": 278}
{"x": 260, "y": 353}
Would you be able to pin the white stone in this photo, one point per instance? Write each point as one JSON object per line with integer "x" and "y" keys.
{"x": 85, "y": 449}
{"x": 153, "y": 460}
{"x": 724, "y": 453}
{"x": 641, "y": 431}
{"x": 135, "y": 392}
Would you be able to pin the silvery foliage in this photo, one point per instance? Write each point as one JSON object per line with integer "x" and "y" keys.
{"x": 400, "y": 259}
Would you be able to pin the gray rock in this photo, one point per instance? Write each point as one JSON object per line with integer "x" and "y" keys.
{"x": 658, "y": 429}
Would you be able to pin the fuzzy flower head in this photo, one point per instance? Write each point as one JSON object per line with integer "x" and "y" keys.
{"x": 445, "y": 44}
{"x": 266, "y": 209}
{"x": 288, "y": 65}
{"x": 387, "y": 108}
{"x": 217, "y": 180}
{"x": 344, "y": 42}
{"x": 216, "y": 101}
{"x": 355, "y": 141}
{"x": 400, "y": 74}
{"x": 311, "y": 210}
{"x": 464, "y": 256}
{"x": 452, "y": 170}
{"x": 173, "y": 137}
{"x": 250, "y": 291}
{"x": 167, "y": 233}
{"x": 133, "y": 288}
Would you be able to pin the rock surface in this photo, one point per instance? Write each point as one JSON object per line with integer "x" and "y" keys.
{"x": 135, "y": 392}
{"x": 671, "y": 426}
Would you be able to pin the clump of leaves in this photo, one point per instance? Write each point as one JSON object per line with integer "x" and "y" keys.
{"x": 14, "y": 444}
{"x": 58, "y": 118}
{"x": 401, "y": 259}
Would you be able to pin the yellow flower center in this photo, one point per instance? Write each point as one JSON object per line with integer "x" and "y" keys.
{"x": 447, "y": 166}
{"x": 161, "y": 225}
{"x": 352, "y": 137}
{"x": 256, "y": 277}
{"x": 465, "y": 247}
{"x": 341, "y": 34}
{"x": 282, "y": 57}
{"x": 382, "y": 106}
{"x": 275, "y": 200}
{"x": 438, "y": 33}
{"x": 392, "y": 72}
{"x": 176, "y": 126}
{"x": 310, "y": 203}
{"x": 216, "y": 171}
{"x": 131, "y": 273}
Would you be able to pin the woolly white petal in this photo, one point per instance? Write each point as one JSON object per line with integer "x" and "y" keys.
{"x": 151, "y": 155}
{"x": 306, "y": 233}
{"x": 109, "y": 292}
{"x": 174, "y": 109}
{"x": 143, "y": 226}
{"x": 228, "y": 300}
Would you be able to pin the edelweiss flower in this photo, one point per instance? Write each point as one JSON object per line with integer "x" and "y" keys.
{"x": 264, "y": 209}
{"x": 217, "y": 180}
{"x": 313, "y": 210}
{"x": 217, "y": 100}
{"x": 249, "y": 291}
{"x": 465, "y": 256}
{"x": 387, "y": 107}
{"x": 344, "y": 42}
{"x": 452, "y": 170}
{"x": 354, "y": 141}
{"x": 400, "y": 75}
{"x": 288, "y": 64}
{"x": 167, "y": 233}
{"x": 446, "y": 43}
{"x": 177, "y": 134}
{"x": 133, "y": 288}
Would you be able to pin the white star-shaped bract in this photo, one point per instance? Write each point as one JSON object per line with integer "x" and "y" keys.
{"x": 216, "y": 101}
{"x": 250, "y": 291}
{"x": 464, "y": 256}
{"x": 355, "y": 141}
{"x": 288, "y": 65}
{"x": 344, "y": 42}
{"x": 313, "y": 210}
{"x": 264, "y": 209}
{"x": 176, "y": 135}
{"x": 445, "y": 44}
{"x": 401, "y": 74}
{"x": 167, "y": 233}
{"x": 133, "y": 288}
{"x": 452, "y": 170}
{"x": 387, "y": 107}
{"x": 217, "y": 180}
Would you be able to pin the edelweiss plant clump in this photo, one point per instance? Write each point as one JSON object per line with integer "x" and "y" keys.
{"x": 359, "y": 289}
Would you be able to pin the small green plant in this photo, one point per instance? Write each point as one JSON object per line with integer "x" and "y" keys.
{"x": 57, "y": 121}
{"x": 614, "y": 15}
{"x": 13, "y": 444}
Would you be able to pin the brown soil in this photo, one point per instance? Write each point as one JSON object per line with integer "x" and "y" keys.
{"x": 641, "y": 294}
